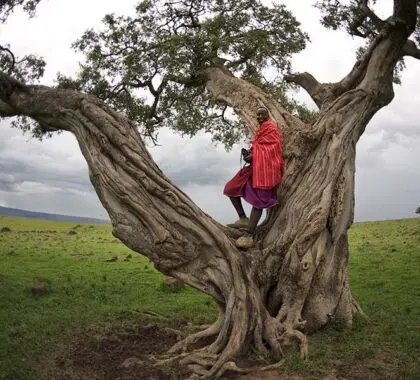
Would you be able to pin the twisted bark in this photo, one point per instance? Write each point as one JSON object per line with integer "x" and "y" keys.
{"x": 296, "y": 280}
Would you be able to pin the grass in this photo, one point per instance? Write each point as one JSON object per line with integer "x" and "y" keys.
{"x": 384, "y": 272}
{"x": 84, "y": 291}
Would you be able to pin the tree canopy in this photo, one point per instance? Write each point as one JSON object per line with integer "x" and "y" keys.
{"x": 150, "y": 65}
{"x": 358, "y": 19}
{"x": 165, "y": 48}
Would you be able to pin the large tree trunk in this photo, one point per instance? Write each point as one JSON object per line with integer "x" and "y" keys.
{"x": 296, "y": 279}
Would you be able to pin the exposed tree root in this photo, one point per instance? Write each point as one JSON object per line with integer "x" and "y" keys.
{"x": 357, "y": 310}
{"x": 203, "y": 359}
{"x": 293, "y": 334}
{"x": 272, "y": 333}
{"x": 213, "y": 330}
{"x": 176, "y": 332}
{"x": 268, "y": 337}
{"x": 244, "y": 324}
{"x": 153, "y": 314}
{"x": 167, "y": 359}
{"x": 231, "y": 366}
{"x": 271, "y": 366}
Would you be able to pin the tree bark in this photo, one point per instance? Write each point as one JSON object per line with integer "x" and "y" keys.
{"x": 296, "y": 279}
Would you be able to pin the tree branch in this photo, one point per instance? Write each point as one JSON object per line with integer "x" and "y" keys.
{"x": 377, "y": 21}
{"x": 390, "y": 42}
{"x": 234, "y": 64}
{"x": 319, "y": 92}
{"x": 410, "y": 49}
{"x": 324, "y": 93}
{"x": 405, "y": 11}
{"x": 12, "y": 57}
{"x": 188, "y": 81}
{"x": 6, "y": 110}
{"x": 8, "y": 85}
{"x": 358, "y": 70}
{"x": 149, "y": 213}
{"x": 366, "y": 12}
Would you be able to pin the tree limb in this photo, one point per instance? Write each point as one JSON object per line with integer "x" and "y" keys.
{"x": 367, "y": 12}
{"x": 325, "y": 93}
{"x": 12, "y": 57}
{"x": 63, "y": 109}
{"x": 410, "y": 49}
{"x": 394, "y": 33}
{"x": 319, "y": 92}
{"x": 405, "y": 11}
{"x": 8, "y": 85}
{"x": 6, "y": 110}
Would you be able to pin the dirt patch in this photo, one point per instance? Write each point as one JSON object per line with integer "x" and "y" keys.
{"x": 118, "y": 353}
{"x": 122, "y": 355}
{"x": 382, "y": 366}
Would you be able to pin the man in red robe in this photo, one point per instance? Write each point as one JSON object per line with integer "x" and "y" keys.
{"x": 257, "y": 183}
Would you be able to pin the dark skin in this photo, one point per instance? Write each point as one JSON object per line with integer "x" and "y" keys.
{"x": 262, "y": 115}
{"x": 256, "y": 213}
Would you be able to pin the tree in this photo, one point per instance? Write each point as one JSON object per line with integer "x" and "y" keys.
{"x": 198, "y": 59}
{"x": 418, "y": 210}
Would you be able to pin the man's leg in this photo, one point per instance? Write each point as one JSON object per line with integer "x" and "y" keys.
{"x": 254, "y": 219}
{"x": 243, "y": 221}
{"x": 236, "y": 201}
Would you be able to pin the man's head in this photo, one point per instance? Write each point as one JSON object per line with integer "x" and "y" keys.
{"x": 262, "y": 114}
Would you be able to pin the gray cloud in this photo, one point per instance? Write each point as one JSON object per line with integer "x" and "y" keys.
{"x": 28, "y": 172}
{"x": 52, "y": 176}
{"x": 200, "y": 168}
{"x": 7, "y": 182}
{"x": 199, "y": 163}
{"x": 386, "y": 194}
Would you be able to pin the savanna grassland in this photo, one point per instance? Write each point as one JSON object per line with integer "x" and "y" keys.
{"x": 104, "y": 304}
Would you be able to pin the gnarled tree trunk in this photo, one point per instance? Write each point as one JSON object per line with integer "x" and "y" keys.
{"x": 295, "y": 280}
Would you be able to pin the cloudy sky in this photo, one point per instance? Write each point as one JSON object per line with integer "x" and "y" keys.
{"x": 51, "y": 176}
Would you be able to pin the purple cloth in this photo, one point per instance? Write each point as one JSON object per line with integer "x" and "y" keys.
{"x": 259, "y": 198}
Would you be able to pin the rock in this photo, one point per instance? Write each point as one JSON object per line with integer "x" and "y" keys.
{"x": 131, "y": 362}
{"x": 72, "y": 232}
{"x": 5, "y": 229}
{"x": 112, "y": 259}
{"x": 38, "y": 289}
{"x": 173, "y": 283}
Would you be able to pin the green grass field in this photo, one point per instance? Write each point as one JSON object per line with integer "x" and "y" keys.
{"x": 84, "y": 292}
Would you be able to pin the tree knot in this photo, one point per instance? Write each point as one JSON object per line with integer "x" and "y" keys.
{"x": 306, "y": 265}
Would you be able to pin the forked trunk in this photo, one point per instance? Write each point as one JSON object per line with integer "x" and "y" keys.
{"x": 295, "y": 280}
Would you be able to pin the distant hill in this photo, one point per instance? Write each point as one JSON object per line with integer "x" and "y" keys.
{"x": 44, "y": 215}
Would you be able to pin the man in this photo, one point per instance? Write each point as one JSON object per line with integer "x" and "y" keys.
{"x": 257, "y": 183}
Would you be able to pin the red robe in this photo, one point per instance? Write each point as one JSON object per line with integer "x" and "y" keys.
{"x": 267, "y": 157}
{"x": 267, "y": 166}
